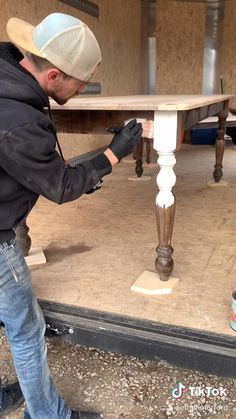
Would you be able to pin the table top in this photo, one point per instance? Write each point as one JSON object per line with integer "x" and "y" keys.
{"x": 141, "y": 102}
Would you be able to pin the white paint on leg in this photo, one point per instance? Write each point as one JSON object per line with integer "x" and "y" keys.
{"x": 166, "y": 179}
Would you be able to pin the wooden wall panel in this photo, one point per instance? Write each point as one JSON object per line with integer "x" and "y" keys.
{"x": 228, "y": 69}
{"x": 180, "y": 47}
{"x": 117, "y": 30}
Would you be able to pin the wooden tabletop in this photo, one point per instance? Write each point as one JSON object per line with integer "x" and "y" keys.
{"x": 142, "y": 102}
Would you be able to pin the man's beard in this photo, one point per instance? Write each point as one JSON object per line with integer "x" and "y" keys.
{"x": 58, "y": 99}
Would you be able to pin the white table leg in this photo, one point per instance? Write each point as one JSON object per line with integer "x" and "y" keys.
{"x": 165, "y": 139}
{"x": 165, "y": 212}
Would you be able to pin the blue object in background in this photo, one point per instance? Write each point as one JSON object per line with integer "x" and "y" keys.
{"x": 203, "y": 136}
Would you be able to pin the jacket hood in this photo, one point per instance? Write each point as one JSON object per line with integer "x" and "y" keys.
{"x": 17, "y": 83}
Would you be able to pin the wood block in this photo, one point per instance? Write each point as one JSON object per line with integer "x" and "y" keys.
{"x": 149, "y": 283}
{"x": 139, "y": 179}
{"x": 214, "y": 184}
{"x": 35, "y": 256}
{"x": 129, "y": 160}
{"x": 150, "y": 165}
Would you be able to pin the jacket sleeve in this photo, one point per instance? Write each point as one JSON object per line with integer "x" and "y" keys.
{"x": 27, "y": 153}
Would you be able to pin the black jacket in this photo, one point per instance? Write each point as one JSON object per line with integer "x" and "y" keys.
{"x": 29, "y": 164}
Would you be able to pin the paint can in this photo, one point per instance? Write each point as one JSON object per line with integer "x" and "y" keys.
{"x": 232, "y": 320}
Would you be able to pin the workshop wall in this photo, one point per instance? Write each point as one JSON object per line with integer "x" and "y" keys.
{"x": 117, "y": 30}
{"x": 180, "y": 47}
{"x": 228, "y": 68}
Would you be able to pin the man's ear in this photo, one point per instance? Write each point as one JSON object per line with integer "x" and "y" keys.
{"x": 53, "y": 76}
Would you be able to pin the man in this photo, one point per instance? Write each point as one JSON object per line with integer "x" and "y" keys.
{"x": 62, "y": 54}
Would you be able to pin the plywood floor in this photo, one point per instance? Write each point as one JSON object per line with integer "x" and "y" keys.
{"x": 97, "y": 246}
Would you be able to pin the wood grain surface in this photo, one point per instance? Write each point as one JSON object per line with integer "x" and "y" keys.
{"x": 142, "y": 102}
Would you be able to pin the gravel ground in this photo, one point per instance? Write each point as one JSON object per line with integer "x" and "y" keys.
{"x": 124, "y": 387}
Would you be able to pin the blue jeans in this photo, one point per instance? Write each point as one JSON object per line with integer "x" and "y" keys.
{"x": 25, "y": 328}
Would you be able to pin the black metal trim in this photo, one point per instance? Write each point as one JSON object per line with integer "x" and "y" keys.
{"x": 184, "y": 347}
{"x": 84, "y": 5}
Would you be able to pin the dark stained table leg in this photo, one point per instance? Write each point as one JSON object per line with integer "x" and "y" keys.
{"x": 219, "y": 147}
{"x": 23, "y": 238}
{"x": 139, "y": 157}
{"x": 165, "y": 213}
{"x": 165, "y": 222}
{"x": 148, "y": 150}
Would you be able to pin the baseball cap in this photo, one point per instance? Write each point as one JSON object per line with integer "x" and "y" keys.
{"x": 63, "y": 40}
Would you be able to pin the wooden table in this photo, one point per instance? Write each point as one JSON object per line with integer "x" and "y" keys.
{"x": 171, "y": 114}
{"x": 212, "y": 122}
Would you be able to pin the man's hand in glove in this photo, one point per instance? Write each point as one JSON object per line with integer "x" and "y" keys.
{"x": 125, "y": 141}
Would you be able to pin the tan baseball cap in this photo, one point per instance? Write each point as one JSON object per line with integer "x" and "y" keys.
{"x": 63, "y": 40}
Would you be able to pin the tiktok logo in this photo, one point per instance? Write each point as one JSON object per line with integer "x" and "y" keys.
{"x": 178, "y": 391}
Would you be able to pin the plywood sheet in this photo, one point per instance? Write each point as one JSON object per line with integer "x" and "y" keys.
{"x": 117, "y": 30}
{"x": 96, "y": 247}
{"x": 228, "y": 49}
{"x": 180, "y": 36}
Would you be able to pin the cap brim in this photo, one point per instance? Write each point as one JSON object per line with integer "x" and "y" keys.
{"x": 20, "y": 32}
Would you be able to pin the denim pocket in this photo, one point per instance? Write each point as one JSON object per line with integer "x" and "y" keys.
{"x": 5, "y": 250}
{"x": 15, "y": 262}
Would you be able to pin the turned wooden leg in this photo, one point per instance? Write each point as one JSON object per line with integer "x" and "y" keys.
{"x": 165, "y": 213}
{"x": 23, "y": 238}
{"x": 134, "y": 155}
{"x": 148, "y": 150}
{"x": 219, "y": 148}
{"x": 139, "y": 161}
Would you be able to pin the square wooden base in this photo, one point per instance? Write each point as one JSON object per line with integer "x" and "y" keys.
{"x": 139, "y": 179}
{"x": 149, "y": 283}
{"x": 214, "y": 184}
{"x": 35, "y": 256}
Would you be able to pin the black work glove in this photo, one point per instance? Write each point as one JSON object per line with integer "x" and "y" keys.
{"x": 124, "y": 142}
